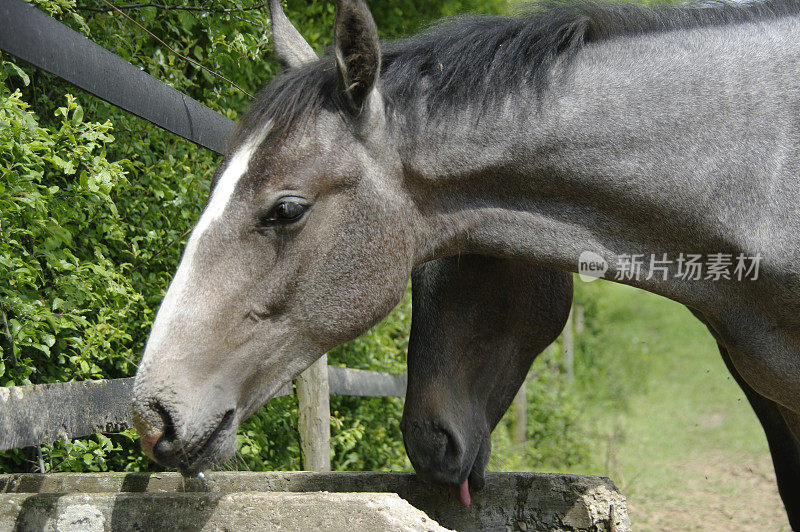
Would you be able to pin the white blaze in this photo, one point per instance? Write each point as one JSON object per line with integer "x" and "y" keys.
{"x": 217, "y": 204}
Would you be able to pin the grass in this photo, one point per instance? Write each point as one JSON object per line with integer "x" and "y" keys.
{"x": 687, "y": 436}
{"x": 688, "y": 404}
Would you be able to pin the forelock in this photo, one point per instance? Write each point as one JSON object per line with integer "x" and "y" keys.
{"x": 290, "y": 101}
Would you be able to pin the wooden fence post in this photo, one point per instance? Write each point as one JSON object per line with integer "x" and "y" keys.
{"x": 567, "y": 348}
{"x": 314, "y": 416}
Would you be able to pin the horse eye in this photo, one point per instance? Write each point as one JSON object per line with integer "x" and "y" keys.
{"x": 286, "y": 210}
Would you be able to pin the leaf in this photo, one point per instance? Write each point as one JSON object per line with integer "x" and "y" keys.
{"x": 77, "y": 116}
{"x": 18, "y": 71}
{"x": 43, "y": 348}
{"x": 66, "y": 166}
{"x": 60, "y": 234}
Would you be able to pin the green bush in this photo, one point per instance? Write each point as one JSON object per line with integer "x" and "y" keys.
{"x": 608, "y": 369}
{"x": 557, "y": 435}
{"x": 63, "y": 298}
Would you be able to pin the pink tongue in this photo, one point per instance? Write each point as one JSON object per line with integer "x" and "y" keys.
{"x": 463, "y": 493}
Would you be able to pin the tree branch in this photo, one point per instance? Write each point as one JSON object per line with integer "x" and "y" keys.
{"x": 10, "y": 338}
{"x": 168, "y": 47}
{"x": 175, "y": 8}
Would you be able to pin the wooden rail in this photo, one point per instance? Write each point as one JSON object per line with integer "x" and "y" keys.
{"x": 43, "y": 413}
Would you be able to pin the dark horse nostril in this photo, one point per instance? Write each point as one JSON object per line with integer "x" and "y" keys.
{"x": 164, "y": 449}
{"x": 166, "y": 446}
{"x": 451, "y": 457}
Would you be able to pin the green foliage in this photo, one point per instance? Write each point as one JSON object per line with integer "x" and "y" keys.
{"x": 269, "y": 439}
{"x": 63, "y": 298}
{"x": 365, "y": 433}
{"x": 608, "y": 370}
{"x": 556, "y": 435}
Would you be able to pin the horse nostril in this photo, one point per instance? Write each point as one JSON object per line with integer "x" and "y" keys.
{"x": 163, "y": 449}
{"x": 167, "y": 423}
{"x": 452, "y": 451}
{"x": 166, "y": 446}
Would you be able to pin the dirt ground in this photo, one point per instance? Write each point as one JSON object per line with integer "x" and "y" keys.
{"x": 722, "y": 493}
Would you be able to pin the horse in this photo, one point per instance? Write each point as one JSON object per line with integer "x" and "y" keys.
{"x": 478, "y": 323}
{"x": 539, "y": 138}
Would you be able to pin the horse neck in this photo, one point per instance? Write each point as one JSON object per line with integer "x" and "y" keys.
{"x": 683, "y": 155}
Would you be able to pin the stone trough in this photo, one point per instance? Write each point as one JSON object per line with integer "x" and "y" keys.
{"x": 352, "y": 501}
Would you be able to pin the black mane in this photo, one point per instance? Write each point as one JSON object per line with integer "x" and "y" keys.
{"x": 475, "y": 59}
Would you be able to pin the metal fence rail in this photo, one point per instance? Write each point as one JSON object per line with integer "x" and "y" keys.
{"x": 29, "y": 34}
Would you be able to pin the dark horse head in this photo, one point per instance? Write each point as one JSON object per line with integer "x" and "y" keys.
{"x": 478, "y": 323}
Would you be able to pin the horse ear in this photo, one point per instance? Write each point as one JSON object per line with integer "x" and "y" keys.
{"x": 357, "y": 50}
{"x": 290, "y": 47}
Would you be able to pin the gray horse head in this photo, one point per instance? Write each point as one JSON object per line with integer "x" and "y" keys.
{"x": 283, "y": 264}
{"x": 534, "y": 138}
{"x": 488, "y": 136}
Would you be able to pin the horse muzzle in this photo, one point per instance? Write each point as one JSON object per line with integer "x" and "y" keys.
{"x": 441, "y": 455}
{"x": 169, "y": 438}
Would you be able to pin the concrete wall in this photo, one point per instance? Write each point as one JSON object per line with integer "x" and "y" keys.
{"x": 240, "y": 512}
{"x": 510, "y": 501}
